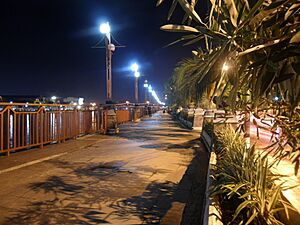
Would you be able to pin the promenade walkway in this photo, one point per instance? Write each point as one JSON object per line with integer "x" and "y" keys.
{"x": 153, "y": 172}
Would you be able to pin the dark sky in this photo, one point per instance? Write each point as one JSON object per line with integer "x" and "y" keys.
{"x": 45, "y": 47}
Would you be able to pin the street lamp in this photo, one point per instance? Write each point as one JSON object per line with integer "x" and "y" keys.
{"x": 136, "y": 92}
{"x": 146, "y": 90}
{"x": 134, "y": 68}
{"x": 105, "y": 29}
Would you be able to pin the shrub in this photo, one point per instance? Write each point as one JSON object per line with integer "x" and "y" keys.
{"x": 244, "y": 180}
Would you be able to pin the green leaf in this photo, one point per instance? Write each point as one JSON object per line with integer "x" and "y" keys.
{"x": 159, "y": 2}
{"x": 190, "y": 11}
{"x": 172, "y": 9}
{"x": 252, "y": 12}
{"x": 178, "y": 28}
{"x": 213, "y": 34}
{"x": 252, "y": 217}
{"x": 241, "y": 14}
{"x": 295, "y": 38}
{"x": 196, "y": 39}
{"x": 230, "y": 4}
{"x": 243, "y": 205}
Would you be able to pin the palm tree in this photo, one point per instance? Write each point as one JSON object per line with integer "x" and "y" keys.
{"x": 260, "y": 43}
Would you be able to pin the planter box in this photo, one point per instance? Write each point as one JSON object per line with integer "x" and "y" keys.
{"x": 211, "y": 214}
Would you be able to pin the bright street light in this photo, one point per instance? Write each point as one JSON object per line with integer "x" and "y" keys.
{"x": 145, "y": 84}
{"x": 225, "y": 67}
{"x": 134, "y": 67}
{"x": 104, "y": 28}
{"x": 137, "y": 74}
{"x": 146, "y": 90}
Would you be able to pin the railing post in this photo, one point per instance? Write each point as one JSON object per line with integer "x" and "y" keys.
{"x": 42, "y": 128}
{"x": 15, "y": 131}
{"x": 64, "y": 124}
{"x": 8, "y": 131}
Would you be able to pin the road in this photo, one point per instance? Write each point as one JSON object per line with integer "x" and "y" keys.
{"x": 153, "y": 172}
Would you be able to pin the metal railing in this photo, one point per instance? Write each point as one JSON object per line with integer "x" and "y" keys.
{"x": 28, "y": 125}
{"x": 25, "y": 126}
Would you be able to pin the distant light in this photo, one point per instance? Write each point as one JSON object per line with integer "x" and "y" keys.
{"x": 134, "y": 67}
{"x": 53, "y": 98}
{"x": 147, "y": 102}
{"x": 93, "y": 104}
{"x": 80, "y": 101}
{"x": 276, "y": 98}
{"x": 157, "y": 98}
{"x": 137, "y": 74}
{"x": 146, "y": 84}
{"x": 225, "y": 67}
{"x": 127, "y": 102}
{"x": 11, "y": 102}
{"x": 104, "y": 28}
{"x": 75, "y": 103}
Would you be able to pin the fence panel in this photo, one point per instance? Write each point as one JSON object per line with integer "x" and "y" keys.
{"x": 28, "y": 125}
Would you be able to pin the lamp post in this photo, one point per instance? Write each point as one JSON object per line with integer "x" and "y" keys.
{"x": 146, "y": 90}
{"x": 136, "y": 89}
{"x": 135, "y": 68}
{"x": 105, "y": 29}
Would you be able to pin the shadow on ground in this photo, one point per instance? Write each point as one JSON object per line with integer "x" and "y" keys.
{"x": 80, "y": 195}
{"x": 98, "y": 193}
{"x": 153, "y": 128}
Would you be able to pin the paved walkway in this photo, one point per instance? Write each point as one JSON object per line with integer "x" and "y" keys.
{"x": 284, "y": 168}
{"x": 153, "y": 172}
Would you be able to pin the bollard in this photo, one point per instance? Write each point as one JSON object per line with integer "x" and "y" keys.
{"x": 136, "y": 115}
{"x": 198, "y": 119}
{"x": 112, "y": 126}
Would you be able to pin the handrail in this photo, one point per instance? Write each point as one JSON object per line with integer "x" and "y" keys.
{"x": 27, "y": 125}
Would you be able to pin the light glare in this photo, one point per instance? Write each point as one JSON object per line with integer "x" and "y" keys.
{"x": 104, "y": 28}
{"x": 137, "y": 74}
{"x": 134, "y": 67}
{"x": 225, "y": 67}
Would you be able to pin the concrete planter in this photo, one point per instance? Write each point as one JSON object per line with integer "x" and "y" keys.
{"x": 186, "y": 123}
{"x": 198, "y": 119}
{"x": 211, "y": 215}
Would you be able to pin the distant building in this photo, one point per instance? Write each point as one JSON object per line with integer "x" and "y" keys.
{"x": 39, "y": 99}
{"x": 21, "y": 98}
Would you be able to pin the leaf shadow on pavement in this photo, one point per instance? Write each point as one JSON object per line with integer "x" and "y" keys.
{"x": 158, "y": 198}
{"x": 97, "y": 193}
{"x": 82, "y": 195}
{"x": 151, "y": 205}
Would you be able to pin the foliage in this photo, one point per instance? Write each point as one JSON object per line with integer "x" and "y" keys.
{"x": 244, "y": 177}
{"x": 260, "y": 43}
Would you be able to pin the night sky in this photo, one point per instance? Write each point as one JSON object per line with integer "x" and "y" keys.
{"x": 46, "y": 47}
